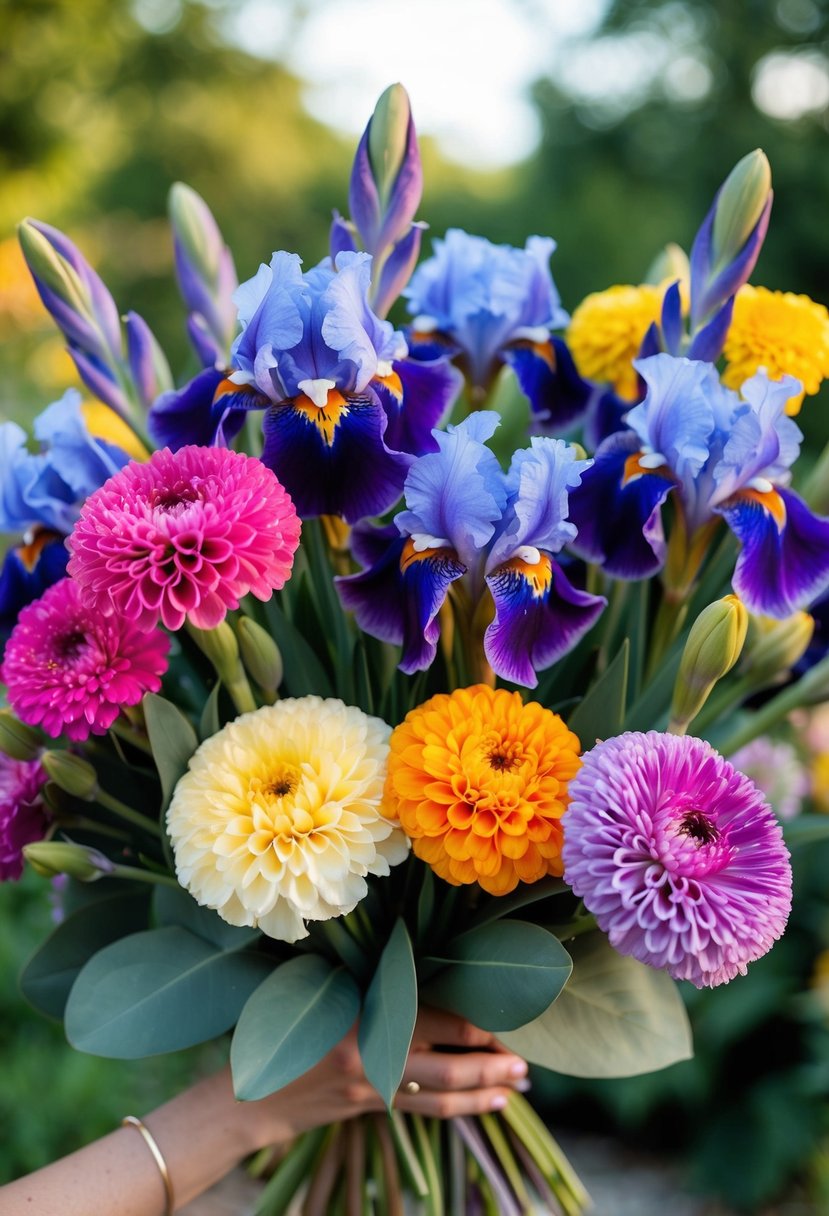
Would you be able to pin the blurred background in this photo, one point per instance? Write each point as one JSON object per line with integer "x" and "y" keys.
{"x": 607, "y": 124}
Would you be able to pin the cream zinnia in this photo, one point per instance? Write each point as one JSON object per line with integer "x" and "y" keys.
{"x": 279, "y": 819}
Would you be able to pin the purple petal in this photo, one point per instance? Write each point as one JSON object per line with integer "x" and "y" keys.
{"x": 707, "y": 343}
{"x": 652, "y": 342}
{"x": 404, "y": 198}
{"x": 606, "y": 417}
{"x": 103, "y": 305}
{"x": 100, "y": 381}
{"x": 397, "y": 270}
{"x": 784, "y": 563}
{"x": 547, "y": 376}
{"x": 334, "y": 461}
{"x": 149, "y": 368}
{"x": 208, "y": 351}
{"x": 617, "y": 511}
{"x": 539, "y": 480}
{"x": 399, "y": 598}
{"x": 209, "y": 410}
{"x": 672, "y": 319}
{"x": 341, "y": 236}
{"x": 363, "y": 199}
{"x": 417, "y": 397}
{"x": 708, "y": 294}
{"x": 539, "y": 616}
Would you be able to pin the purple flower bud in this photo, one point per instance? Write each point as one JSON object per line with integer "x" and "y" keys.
{"x": 100, "y": 381}
{"x": 396, "y": 270}
{"x": 150, "y": 370}
{"x": 204, "y": 267}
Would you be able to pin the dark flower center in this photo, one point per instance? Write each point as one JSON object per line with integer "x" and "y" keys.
{"x": 281, "y": 787}
{"x": 70, "y": 646}
{"x": 698, "y": 826}
{"x": 174, "y": 500}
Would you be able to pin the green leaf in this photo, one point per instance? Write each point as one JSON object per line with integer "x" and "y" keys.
{"x": 304, "y": 673}
{"x": 500, "y": 975}
{"x": 159, "y": 991}
{"x": 210, "y": 723}
{"x": 806, "y": 829}
{"x": 47, "y": 978}
{"x": 601, "y": 713}
{"x": 290, "y": 1022}
{"x": 389, "y": 1013}
{"x": 615, "y": 1018}
{"x": 173, "y": 906}
{"x": 499, "y": 907}
{"x": 425, "y": 903}
{"x": 172, "y": 739}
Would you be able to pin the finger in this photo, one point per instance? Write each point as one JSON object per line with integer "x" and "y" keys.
{"x": 448, "y": 1104}
{"x": 472, "y": 1070}
{"x": 447, "y": 1029}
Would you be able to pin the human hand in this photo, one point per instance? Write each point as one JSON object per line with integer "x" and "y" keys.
{"x": 472, "y": 1075}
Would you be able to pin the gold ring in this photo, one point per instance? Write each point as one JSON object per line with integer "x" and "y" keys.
{"x": 411, "y": 1087}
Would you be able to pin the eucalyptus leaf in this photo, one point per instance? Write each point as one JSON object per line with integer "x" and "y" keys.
{"x": 389, "y": 1012}
{"x": 601, "y": 713}
{"x": 616, "y": 1018}
{"x": 47, "y": 978}
{"x": 290, "y": 1022}
{"x": 174, "y": 906}
{"x": 159, "y": 991}
{"x": 210, "y": 722}
{"x": 501, "y": 975}
{"x": 172, "y": 739}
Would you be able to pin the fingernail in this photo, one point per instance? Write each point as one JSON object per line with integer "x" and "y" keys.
{"x": 523, "y": 1086}
{"x": 498, "y": 1102}
{"x": 518, "y": 1069}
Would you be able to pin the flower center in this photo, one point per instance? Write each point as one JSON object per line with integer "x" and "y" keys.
{"x": 71, "y": 645}
{"x": 696, "y": 824}
{"x": 282, "y": 784}
{"x": 504, "y": 757}
{"x": 174, "y": 501}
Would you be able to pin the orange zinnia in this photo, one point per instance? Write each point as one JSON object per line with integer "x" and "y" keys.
{"x": 478, "y": 781}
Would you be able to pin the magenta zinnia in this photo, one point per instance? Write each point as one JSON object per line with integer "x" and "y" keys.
{"x": 186, "y": 534}
{"x": 677, "y": 855}
{"x": 70, "y": 670}
{"x": 23, "y": 815}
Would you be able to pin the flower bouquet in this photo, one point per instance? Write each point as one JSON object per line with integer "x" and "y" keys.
{"x": 330, "y": 691}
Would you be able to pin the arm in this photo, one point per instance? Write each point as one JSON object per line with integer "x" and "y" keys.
{"x": 204, "y": 1132}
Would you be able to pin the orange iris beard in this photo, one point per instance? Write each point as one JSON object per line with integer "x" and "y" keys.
{"x": 478, "y": 781}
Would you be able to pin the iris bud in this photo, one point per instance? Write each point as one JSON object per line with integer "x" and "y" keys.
{"x": 742, "y": 199}
{"x": 52, "y": 857}
{"x": 71, "y": 773}
{"x": 714, "y": 644}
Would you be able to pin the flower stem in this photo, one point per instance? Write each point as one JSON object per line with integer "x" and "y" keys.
{"x": 126, "y": 812}
{"x": 128, "y": 734}
{"x": 150, "y": 876}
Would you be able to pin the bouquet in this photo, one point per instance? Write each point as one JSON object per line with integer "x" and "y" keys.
{"x": 342, "y": 678}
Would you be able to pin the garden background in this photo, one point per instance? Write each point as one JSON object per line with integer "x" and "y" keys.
{"x": 607, "y": 124}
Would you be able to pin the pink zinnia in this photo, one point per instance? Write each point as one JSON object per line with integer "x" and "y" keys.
{"x": 677, "y": 855}
{"x": 23, "y": 815}
{"x": 70, "y": 670}
{"x": 186, "y": 534}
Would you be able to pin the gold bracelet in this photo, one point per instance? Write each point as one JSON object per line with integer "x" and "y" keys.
{"x": 149, "y": 1140}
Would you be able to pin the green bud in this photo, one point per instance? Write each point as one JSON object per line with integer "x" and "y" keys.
{"x": 774, "y": 646}
{"x": 17, "y": 740}
{"x": 219, "y": 645}
{"x": 713, "y": 647}
{"x": 196, "y": 229}
{"x": 388, "y": 138}
{"x": 670, "y": 264}
{"x": 52, "y": 857}
{"x": 54, "y": 271}
{"x": 72, "y": 774}
{"x": 260, "y": 654}
{"x": 742, "y": 198}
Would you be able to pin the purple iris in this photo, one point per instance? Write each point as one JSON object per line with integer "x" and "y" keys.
{"x": 492, "y": 534}
{"x": 345, "y": 410}
{"x": 41, "y": 494}
{"x": 724, "y": 455}
{"x": 487, "y": 305}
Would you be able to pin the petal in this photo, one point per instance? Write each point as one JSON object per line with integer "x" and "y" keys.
{"x": 677, "y": 417}
{"x": 539, "y": 616}
{"x": 397, "y": 270}
{"x": 208, "y": 411}
{"x": 427, "y": 392}
{"x": 334, "y": 461}
{"x": 616, "y": 510}
{"x": 547, "y": 376}
{"x": 538, "y": 483}
{"x": 784, "y": 563}
{"x": 399, "y": 598}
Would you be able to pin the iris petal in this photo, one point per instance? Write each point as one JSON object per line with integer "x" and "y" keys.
{"x": 547, "y": 376}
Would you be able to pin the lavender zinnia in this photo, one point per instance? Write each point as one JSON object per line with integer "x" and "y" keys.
{"x": 677, "y": 855}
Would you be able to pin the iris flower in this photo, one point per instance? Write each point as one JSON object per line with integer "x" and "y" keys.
{"x": 344, "y": 409}
{"x": 494, "y": 537}
{"x": 721, "y": 455}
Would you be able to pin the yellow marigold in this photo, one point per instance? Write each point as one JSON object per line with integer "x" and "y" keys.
{"x": 479, "y": 783}
{"x": 781, "y": 332}
{"x": 606, "y": 333}
{"x": 279, "y": 819}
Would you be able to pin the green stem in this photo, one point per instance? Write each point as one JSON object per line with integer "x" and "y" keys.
{"x": 809, "y": 690}
{"x": 503, "y": 1152}
{"x": 434, "y": 1181}
{"x": 816, "y": 491}
{"x": 150, "y": 876}
{"x": 126, "y": 812}
{"x": 722, "y": 701}
{"x": 241, "y": 694}
{"x": 669, "y": 618}
{"x": 128, "y": 734}
{"x": 407, "y": 1154}
{"x": 584, "y": 924}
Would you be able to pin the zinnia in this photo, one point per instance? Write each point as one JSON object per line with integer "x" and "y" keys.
{"x": 479, "y": 782}
{"x": 70, "y": 670}
{"x": 279, "y": 819}
{"x": 677, "y": 855}
{"x": 23, "y": 815}
{"x": 185, "y": 535}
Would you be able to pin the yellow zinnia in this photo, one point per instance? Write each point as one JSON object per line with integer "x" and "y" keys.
{"x": 279, "y": 819}
{"x": 781, "y": 332}
{"x": 479, "y": 783}
{"x": 606, "y": 333}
